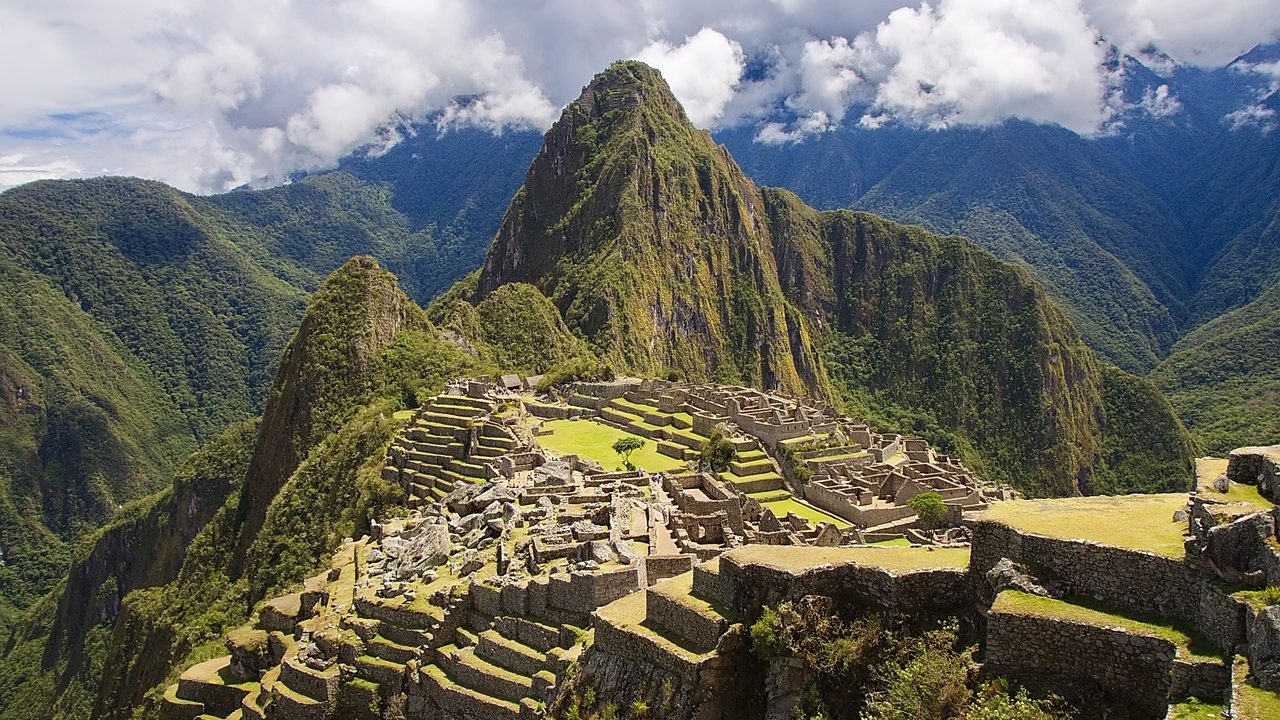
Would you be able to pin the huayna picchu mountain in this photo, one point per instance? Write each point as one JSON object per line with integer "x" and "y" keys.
{"x": 660, "y": 253}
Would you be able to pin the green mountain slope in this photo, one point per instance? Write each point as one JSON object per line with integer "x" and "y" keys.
{"x": 662, "y": 255}
{"x": 138, "y": 322}
{"x": 165, "y": 576}
{"x": 1223, "y": 377}
{"x": 652, "y": 243}
{"x": 1076, "y": 219}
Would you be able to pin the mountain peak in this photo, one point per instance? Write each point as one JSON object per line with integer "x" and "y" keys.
{"x": 628, "y": 85}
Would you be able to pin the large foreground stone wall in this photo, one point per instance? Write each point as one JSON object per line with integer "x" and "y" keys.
{"x": 1133, "y": 670}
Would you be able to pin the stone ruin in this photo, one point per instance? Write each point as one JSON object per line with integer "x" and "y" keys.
{"x": 476, "y": 604}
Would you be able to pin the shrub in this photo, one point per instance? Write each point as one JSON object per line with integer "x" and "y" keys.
{"x": 577, "y": 370}
{"x": 765, "y": 641}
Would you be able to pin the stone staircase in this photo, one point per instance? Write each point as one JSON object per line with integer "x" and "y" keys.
{"x": 507, "y": 663}
{"x": 450, "y": 440}
{"x": 679, "y": 620}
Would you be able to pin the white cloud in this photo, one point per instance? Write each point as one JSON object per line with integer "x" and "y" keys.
{"x": 703, "y": 72}
{"x": 1256, "y": 114}
{"x": 208, "y": 94}
{"x": 1159, "y": 103}
{"x": 1194, "y": 32}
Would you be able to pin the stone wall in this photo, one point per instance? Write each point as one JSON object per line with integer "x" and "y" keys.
{"x": 1256, "y": 466}
{"x": 661, "y": 567}
{"x": 920, "y": 593}
{"x": 583, "y": 592}
{"x": 1130, "y": 580}
{"x": 1131, "y": 669}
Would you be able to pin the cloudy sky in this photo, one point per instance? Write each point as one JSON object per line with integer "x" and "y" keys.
{"x": 209, "y": 94}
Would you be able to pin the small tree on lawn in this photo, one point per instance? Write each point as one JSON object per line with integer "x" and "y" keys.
{"x": 625, "y": 446}
{"x": 929, "y": 507}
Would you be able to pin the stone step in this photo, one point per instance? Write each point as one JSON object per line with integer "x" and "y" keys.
{"x": 253, "y": 704}
{"x": 460, "y": 701}
{"x": 466, "y": 469}
{"x": 410, "y": 637}
{"x": 288, "y": 703}
{"x": 173, "y": 707}
{"x": 211, "y": 684}
{"x": 387, "y": 673}
{"x": 620, "y": 417}
{"x": 464, "y": 637}
{"x": 510, "y": 654}
{"x": 535, "y": 634}
{"x": 483, "y": 451}
{"x": 381, "y": 647}
{"x": 468, "y": 670}
{"x": 752, "y": 467}
{"x": 764, "y": 482}
{"x": 624, "y": 624}
{"x": 319, "y": 685}
{"x": 687, "y": 438}
{"x": 445, "y": 407}
{"x": 672, "y": 607}
{"x": 434, "y": 432}
{"x": 433, "y": 418}
{"x": 465, "y": 401}
{"x": 503, "y": 442}
{"x": 432, "y": 435}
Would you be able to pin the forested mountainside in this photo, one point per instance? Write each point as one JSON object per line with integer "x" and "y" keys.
{"x": 262, "y": 504}
{"x": 138, "y": 322}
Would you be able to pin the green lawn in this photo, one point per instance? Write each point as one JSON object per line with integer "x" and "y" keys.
{"x": 1258, "y": 704}
{"x": 1196, "y": 710}
{"x": 1136, "y": 522}
{"x": 812, "y": 514}
{"x": 1088, "y": 612}
{"x": 594, "y": 441}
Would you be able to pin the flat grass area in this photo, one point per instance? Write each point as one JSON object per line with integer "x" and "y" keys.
{"x": 1193, "y": 709}
{"x": 896, "y": 542}
{"x": 1135, "y": 522}
{"x": 808, "y": 512}
{"x": 1258, "y": 704}
{"x": 1089, "y": 612}
{"x": 798, "y": 558}
{"x": 594, "y": 441}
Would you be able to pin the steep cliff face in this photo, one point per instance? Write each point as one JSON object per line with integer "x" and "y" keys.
{"x": 663, "y": 256}
{"x": 651, "y": 242}
{"x": 355, "y": 314}
{"x": 938, "y": 324}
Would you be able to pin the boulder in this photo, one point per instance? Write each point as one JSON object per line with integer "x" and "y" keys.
{"x": 1008, "y": 574}
{"x": 427, "y": 548}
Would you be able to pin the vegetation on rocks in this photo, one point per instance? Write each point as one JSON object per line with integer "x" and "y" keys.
{"x": 873, "y": 668}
